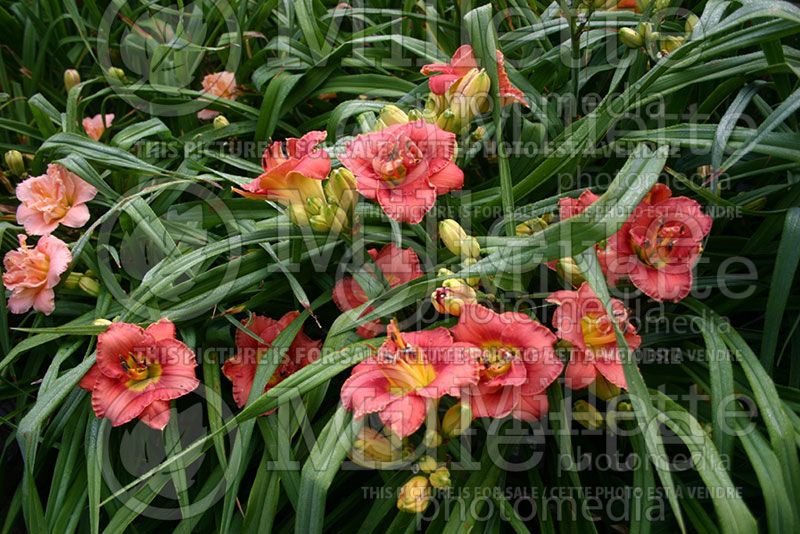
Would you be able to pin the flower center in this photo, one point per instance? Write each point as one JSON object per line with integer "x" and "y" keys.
{"x": 497, "y": 358}
{"x": 663, "y": 246}
{"x": 395, "y": 158}
{"x": 598, "y": 331}
{"x": 140, "y": 370}
{"x": 407, "y": 369}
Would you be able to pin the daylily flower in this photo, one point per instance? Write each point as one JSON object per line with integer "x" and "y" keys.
{"x": 57, "y": 197}
{"x": 453, "y": 295}
{"x": 397, "y": 266}
{"x": 581, "y": 319}
{"x": 658, "y": 245}
{"x": 293, "y": 171}
{"x": 32, "y": 273}
{"x": 443, "y": 75}
{"x": 241, "y": 369}
{"x": 410, "y": 371}
{"x": 517, "y": 362}
{"x": 219, "y": 85}
{"x": 95, "y": 126}
{"x": 138, "y": 371}
{"x": 404, "y": 167}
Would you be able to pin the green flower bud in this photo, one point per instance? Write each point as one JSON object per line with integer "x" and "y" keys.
{"x": 392, "y": 114}
{"x": 631, "y": 38}
{"x": 440, "y": 479}
{"x": 71, "y": 79}
{"x": 15, "y": 162}
{"x": 220, "y": 121}
{"x": 587, "y": 415}
{"x": 89, "y": 286}
{"x": 427, "y": 464}
{"x": 456, "y": 419}
{"x": 117, "y": 74}
{"x": 415, "y": 495}
{"x": 457, "y": 241}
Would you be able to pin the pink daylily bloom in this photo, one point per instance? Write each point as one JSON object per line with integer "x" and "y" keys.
{"x": 219, "y": 85}
{"x": 57, "y": 197}
{"x": 517, "y": 362}
{"x": 32, "y": 273}
{"x": 138, "y": 371}
{"x": 397, "y": 266}
{"x": 241, "y": 369}
{"x": 582, "y": 320}
{"x": 404, "y": 167}
{"x": 411, "y": 370}
{"x": 658, "y": 245}
{"x": 570, "y": 207}
{"x": 443, "y": 75}
{"x": 95, "y": 126}
{"x": 293, "y": 171}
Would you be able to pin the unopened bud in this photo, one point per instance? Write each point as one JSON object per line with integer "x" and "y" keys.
{"x": 587, "y": 415}
{"x": 427, "y": 464}
{"x": 392, "y": 114}
{"x": 415, "y": 115}
{"x": 691, "y": 23}
{"x": 473, "y": 281}
{"x": 456, "y": 419}
{"x": 372, "y": 448}
{"x": 220, "y": 121}
{"x": 415, "y": 495}
{"x": 670, "y": 43}
{"x": 101, "y": 322}
{"x": 605, "y": 390}
{"x": 457, "y": 241}
{"x": 478, "y": 133}
{"x": 570, "y": 271}
{"x": 116, "y": 73}
{"x": 314, "y": 205}
{"x": 440, "y": 479}
{"x": 71, "y": 281}
{"x": 71, "y": 78}
{"x": 341, "y": 188}
{"x": 532, "y": 226}
{"x": 432, "y": 438}
{"x": 631, "y": 38}
{"x": 298, "y": 215}
{"x": 89, "y": 286}
{"x": 15, "y": 162}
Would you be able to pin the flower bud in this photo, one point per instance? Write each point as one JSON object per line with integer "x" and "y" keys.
{"x": 117, "y": 74}
{"x": 473, "y": 281}
{"x": 15, "y": 162}
{"x": 670, "y": 43}
{"x": 427, "y": 464}
{"x": 569, "y": 271}
{"x": 605, "y": 390}
{"x": 89, "y": 286}
{"x": 415, "y": 495}
{"x": 456, "y": 419}
{"x": 440, "y": 479}
{"x": 432, "y": 439}
{"x": 314, "y": 205}
{"x": 587, "y": 415}
{"x": 378, "y": 125}
{"x": 220, "y": 121}
{"x": 631, "y": 38}
{"x": 457, "y": 241}
{"x": 101, "y": 322}
{"x": 298, "y": 215}
{"x": 71, "y": 281}
{"x": 478, "y": 133}
{"x": 532, "y": 226}
{"x": 341, "y": 188}
{"x": 447, "y": 121}
{"x": 691, "y": 22}
{"x": 453, "y": 294}
{"x": 415, "y": 115}
{"x": 392, "y": 114}
{"x": 372, "y": 448}
{"x": 71, "y": 79}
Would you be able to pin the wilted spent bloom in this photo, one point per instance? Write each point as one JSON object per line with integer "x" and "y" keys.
{"x": 415, "y": 495}
{"x": 71, "y": 79}
{"x": 96, "y": 126}
{"x": 373, "y": 449}
{"x": 452, "y": 295}
{"x": 15, "y": 162}
{"x": 587, "y": 415}
{"x": 457, "y": 241}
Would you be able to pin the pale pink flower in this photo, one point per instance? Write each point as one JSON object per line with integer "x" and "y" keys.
{"x": 218, "y": 85}
{"x": 95, "y": 126}
{"x": 56, "y": 197}
{"x": 32, "y": 273}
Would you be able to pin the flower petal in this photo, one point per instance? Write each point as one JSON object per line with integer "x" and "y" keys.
{"x": 405, "y": 415}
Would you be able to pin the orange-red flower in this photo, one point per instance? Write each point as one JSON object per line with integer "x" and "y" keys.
{"x": 241, "y": 369}
{"x": 517, "y": 362}
{"x": 138, "y": 371}
{"x": 404, "y": 167}
{"x": 293, "y": 171}
{"x": 582, "y": 320}
{"x": 95, "y": 126}
{"x": 396, "y": 265}
{"x": 218, "y": 85}
{"x": 443, "y": 75}
{"x": 410, "y": 371}
{"x": 32, "y": 273}
{"x": 658, "y": 245}
{"x": 56, "y": 197}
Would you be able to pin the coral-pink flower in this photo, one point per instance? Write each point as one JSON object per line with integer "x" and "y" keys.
{"x": 138, "y": 371}
{"x": 95, "y": 126}
{"x": 443, "y": 75}
{"x": 241, "y": 369}
{"x": 396, "y": 265}
{"x": 659, "y": 245}
{"x": 409, "y": 372}
{"x": 293, "y": 171}
{"x": 219, "y": 85}
{"x": 404, "y": 167}
{"x": 517, "y": 362}
{"x": 582, "y": 320}
{"x": 56, "y": 197}
{"x": 32, "y": 273}
{"x": 570, "y": 207}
